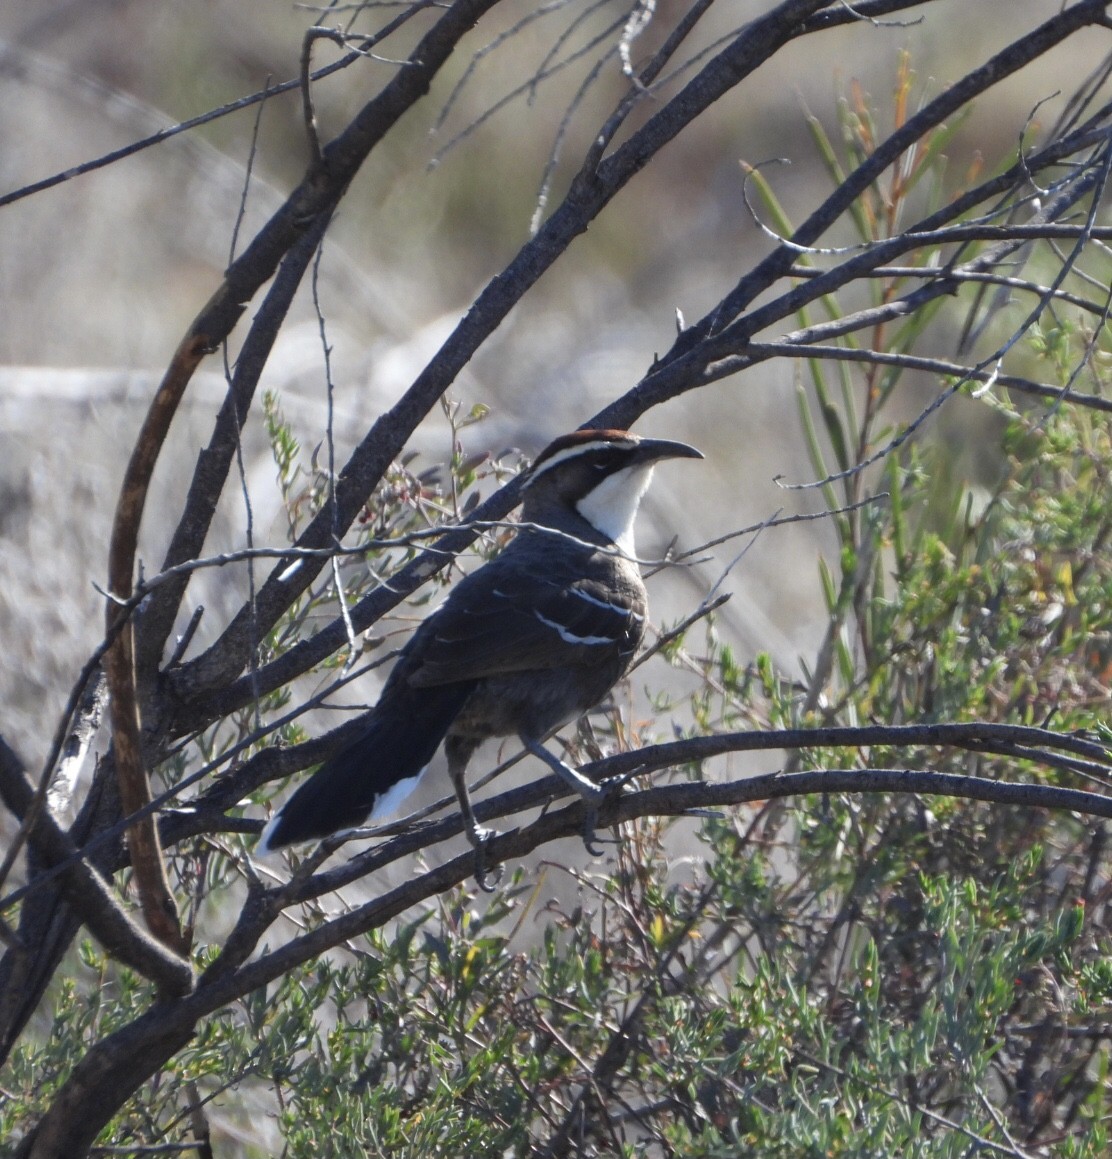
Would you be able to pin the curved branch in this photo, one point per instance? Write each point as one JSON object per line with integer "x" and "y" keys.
{"x": 218, "y": 987}
{"x": 307, "y": 208}
{"x": 152, "y": 884}
{"x": 215, "y": 460}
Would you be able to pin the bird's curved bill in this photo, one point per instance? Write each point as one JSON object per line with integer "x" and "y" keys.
{"x": 649, "y": 450}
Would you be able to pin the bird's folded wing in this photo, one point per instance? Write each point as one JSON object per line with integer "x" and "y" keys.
{"x": 498, "y": 622}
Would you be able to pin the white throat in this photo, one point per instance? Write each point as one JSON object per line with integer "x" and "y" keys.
{"x": 612, "y": 506}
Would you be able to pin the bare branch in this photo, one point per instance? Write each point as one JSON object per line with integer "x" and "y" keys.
{"x": 938, "y": 366}
{"x": 152, "y": 883}
{"x": 726, "y": 324}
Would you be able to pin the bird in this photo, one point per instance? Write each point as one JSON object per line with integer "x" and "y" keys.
{"x": 526, "y": 643}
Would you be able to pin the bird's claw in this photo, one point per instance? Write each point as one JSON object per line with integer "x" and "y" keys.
{"x": 590, "y": 823}
{"x": 487, "y": 876}
{"x": 593, "y": 802}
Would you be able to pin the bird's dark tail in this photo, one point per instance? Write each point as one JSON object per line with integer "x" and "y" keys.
{"x": 403, "y": 733}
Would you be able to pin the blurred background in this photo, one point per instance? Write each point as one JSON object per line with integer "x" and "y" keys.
{"x": 100, "y": 276}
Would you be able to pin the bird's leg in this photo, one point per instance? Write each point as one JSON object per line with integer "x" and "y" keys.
{"x": 593, "y": 795}
{"x": 458, "y": 750}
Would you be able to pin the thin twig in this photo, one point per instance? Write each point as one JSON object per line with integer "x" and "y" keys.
{"x": 241, "y": 468}
{"x": 312, "y": 35}
{"x": 938, "y": 366}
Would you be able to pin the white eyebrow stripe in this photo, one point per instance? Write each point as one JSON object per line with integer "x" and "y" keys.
{"x": 577, "y": 450}
{"x": 619, "y": 608}
{"x": 569, "y": 637}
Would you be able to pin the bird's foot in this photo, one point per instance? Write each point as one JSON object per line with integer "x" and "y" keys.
{"x": 594, "y": 798}
{"x": 604, "y": 791}
{"x": 594, "y": 795}
{"x": 487, "y": 876}
{"x": 590, "y": 824}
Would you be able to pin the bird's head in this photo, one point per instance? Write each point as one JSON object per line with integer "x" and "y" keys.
{"x": 599, "y": 475}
